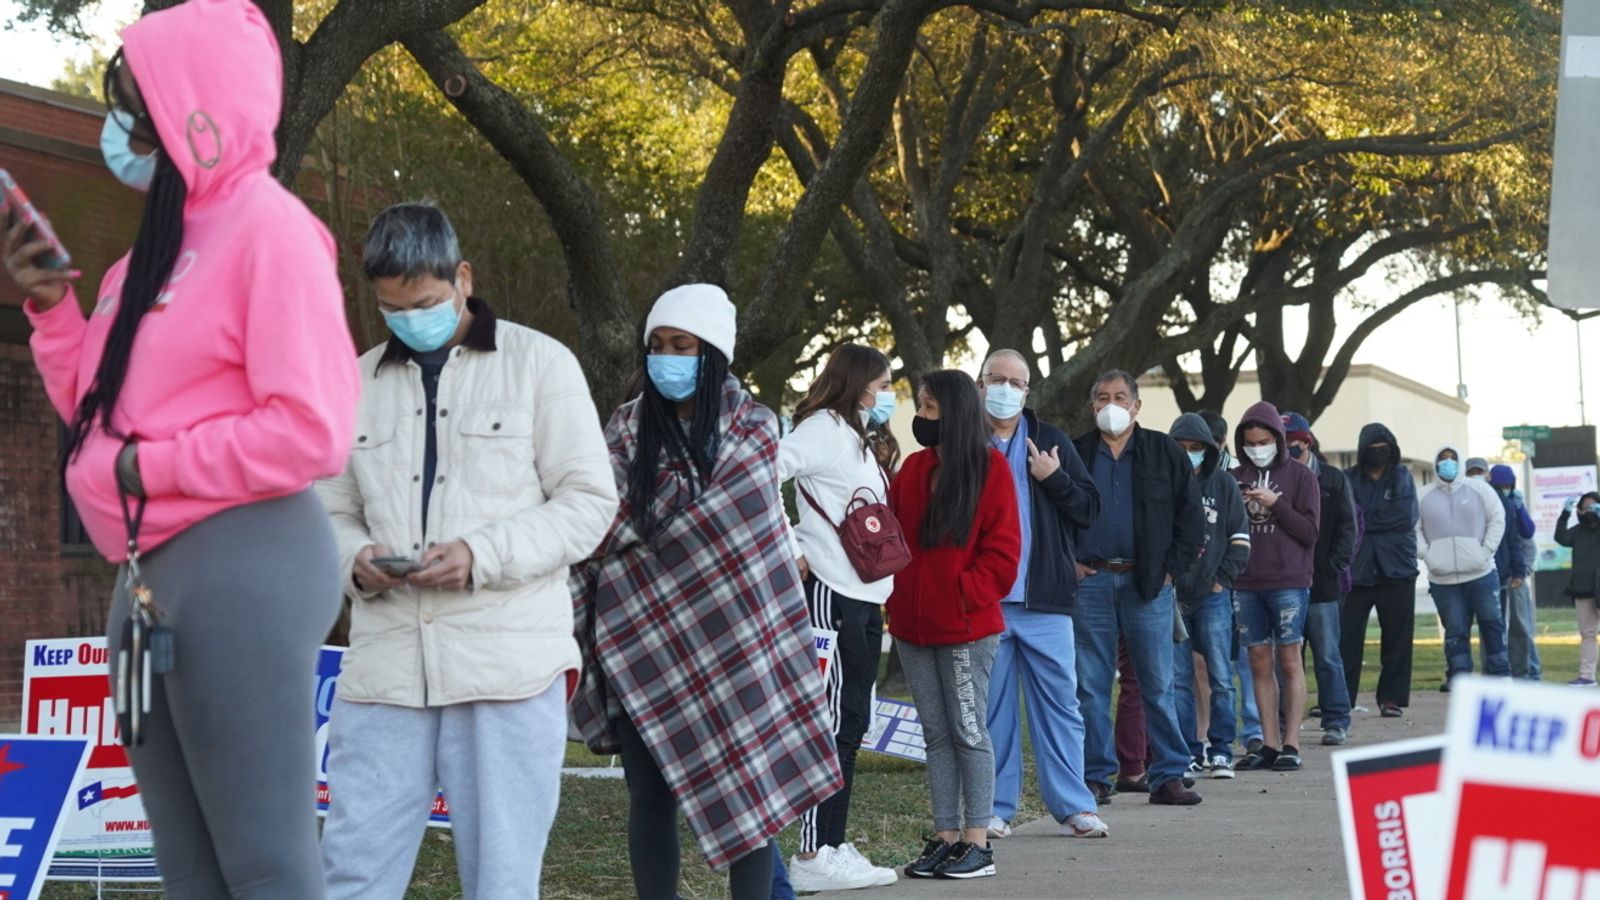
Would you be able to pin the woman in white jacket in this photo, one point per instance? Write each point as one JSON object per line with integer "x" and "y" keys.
{"x": 829, "y": 457}
{"x": 1457, "y": 533}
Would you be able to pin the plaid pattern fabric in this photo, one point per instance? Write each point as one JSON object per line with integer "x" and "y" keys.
{"x": 700, "y": 635}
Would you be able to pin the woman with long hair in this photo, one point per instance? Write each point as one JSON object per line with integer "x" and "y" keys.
{"x": 699, "y": 668}
{"x": 832, "y": 464}
{"x": 214, "y": 381}
{"x": 957, "y": 504}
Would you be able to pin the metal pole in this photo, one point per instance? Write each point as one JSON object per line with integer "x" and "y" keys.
{"x": 1583, "y": 410}
{"x": 1461, "y": 378}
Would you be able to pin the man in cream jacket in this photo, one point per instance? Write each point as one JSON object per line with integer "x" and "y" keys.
{"x": 479, "y": 475}
{"x": 1460, "y": 527}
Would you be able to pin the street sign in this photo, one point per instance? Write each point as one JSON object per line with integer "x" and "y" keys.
{"x": 1525, "y": 433}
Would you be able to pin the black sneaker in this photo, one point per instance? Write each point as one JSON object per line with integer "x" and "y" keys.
{"x": 967, "y": 861}
{"x": 1391, "y": 711}
{"x": 1102, "y": 792}
{"x": 1260, "y": 759}
{"x": 1288, "y": 760}
{"x": 1314, "y": 712}
{"x": 1444, "y": 688}
{"x": 934, "y": 853}
{"x": 1254, "y": 746}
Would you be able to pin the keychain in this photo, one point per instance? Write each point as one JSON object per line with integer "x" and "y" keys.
{"x": 147, "y": 644}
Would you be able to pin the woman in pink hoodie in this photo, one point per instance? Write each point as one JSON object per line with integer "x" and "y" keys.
{"x": 211, "y": 383}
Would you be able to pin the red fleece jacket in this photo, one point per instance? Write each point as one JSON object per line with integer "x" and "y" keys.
{"x": 951, "y": 595}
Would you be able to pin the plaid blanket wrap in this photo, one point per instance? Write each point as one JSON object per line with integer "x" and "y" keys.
{"x": 700, "y": 635}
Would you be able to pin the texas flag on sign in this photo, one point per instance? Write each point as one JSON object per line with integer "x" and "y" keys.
{"x": 98, "y": 792}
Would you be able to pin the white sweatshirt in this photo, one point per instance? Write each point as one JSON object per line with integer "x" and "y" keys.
{"x": 827, "y": 458}
{"x": 1459, "y": 528}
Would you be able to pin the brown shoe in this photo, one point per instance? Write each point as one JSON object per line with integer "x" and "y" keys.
{"x": 1102, "y": 792}
{"x": 1173, "y": 793}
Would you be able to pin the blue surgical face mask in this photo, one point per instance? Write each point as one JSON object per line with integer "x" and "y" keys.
{"x": 132, "y": 169}
{"x": 676, "y": 377}
{"x": 1003, "y": 401}
{"x": 425, "y": 330}
{"x": 1449, "y": 469}
{"x": 1196, "y": 458}
{"x": 882, "y": 407}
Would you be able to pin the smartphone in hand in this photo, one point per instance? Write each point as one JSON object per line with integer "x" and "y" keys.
{"x": 396, "y": 566}
{"x": 18, "y": 207}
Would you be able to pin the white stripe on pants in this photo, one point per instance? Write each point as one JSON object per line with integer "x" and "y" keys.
{"x": 499, "y": 764}
{"x": 820, "y": 603}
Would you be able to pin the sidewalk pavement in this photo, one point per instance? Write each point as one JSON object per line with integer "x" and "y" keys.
{"x": 1259, "y": 835}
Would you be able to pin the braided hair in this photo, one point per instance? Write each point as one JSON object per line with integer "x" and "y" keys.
{"x": 662, "y": 435}
{"x": 155, "y": 254}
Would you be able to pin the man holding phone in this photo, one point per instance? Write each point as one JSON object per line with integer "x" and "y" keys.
{"x": 479, "y": 475}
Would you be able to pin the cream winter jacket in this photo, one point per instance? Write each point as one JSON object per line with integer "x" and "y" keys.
{"x": 523, "y": 477}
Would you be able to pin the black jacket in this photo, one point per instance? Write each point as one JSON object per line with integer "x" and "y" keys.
{"x": 1336, "y": 538}
{"x": 1388, "y": 551}
{"x": 1061, "y": 504}
{"x": 1169, "y": 523}
{"x": 1226, "y": 550}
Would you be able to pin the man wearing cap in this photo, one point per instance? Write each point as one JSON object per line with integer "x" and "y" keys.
{"x": 1518, "y": 552}
{"x": 1336, "y": 545}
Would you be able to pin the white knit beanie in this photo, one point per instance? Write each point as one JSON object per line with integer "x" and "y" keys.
{"x": 703, "y": 310}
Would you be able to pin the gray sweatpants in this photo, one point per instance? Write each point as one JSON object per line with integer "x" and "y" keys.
{"x": 950, "y": 686}
{"x": 228, "y": 769}
{"x": 499, "y": 763}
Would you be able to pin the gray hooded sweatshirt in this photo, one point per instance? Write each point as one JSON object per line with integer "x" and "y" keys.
{"x": 1226, "y": 549}
{"x": 1460, "y": 527}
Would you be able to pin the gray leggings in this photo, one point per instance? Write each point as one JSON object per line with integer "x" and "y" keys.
{"x": 228, "y": 771}
{"x": 950, "y": 686}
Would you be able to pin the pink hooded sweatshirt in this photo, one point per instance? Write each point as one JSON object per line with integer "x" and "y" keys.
{"x": 243, "y": 383}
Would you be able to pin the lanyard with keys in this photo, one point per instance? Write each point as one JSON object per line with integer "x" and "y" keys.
{"x": 146, "y": 649}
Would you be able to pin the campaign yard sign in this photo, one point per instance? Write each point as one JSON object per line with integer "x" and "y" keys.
{"x": 1521, "y": 791}
{"x": 37, "y": 776}
{"x": 1390, "y": 815}
{"x": 827, "y": 645}
{"x": 65, "y": 693}
{"x": 327, "y": 687}
{"x": 895, "y": 731}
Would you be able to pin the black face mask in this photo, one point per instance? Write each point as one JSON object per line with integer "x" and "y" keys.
{"x": 926, "y": 431}
{"x": 1374, "y": 457}
{"x": 1589, "y": 518}
{"x": 1296, "y": 452}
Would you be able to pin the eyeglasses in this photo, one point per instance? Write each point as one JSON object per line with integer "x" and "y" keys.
{"x": 997, "y": 380}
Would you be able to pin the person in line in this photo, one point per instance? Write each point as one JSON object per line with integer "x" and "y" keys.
{"x": 958, "y": 508}
{"x": 1584, "y": 585}
{"x": 214, "y": 383}
{"x": 1244, "y": 683}
{"x": 1462, "y": 520}
{"x": 1055, "y": 497}
{"x": 1337, "y": 535}
{"x": 1383, "y": 575}
{"x": 1271, "y": 595}
{"x": 457, "y": 674}
{"x": 1205, "y": 596}
{"x": 832, "y": 465}
{"x": 1516, "y": 601}
{"x": 699, "y": 666}
{"x": 1150, "y": 530}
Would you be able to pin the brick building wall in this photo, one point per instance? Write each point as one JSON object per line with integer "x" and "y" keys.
{"x": 50, "y": 585}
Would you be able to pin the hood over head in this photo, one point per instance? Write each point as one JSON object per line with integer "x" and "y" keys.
{"x": 1262, "y": 415}
{"x": 1503, "y": 476}
{"x": 1191, "y": 427}
{"x": 1376, "y": 432}
{"x": 211, "y": 76}
{"x": 1461, "y": 476}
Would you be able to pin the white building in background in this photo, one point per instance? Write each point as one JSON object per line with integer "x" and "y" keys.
{"x": 1421, "y": 418}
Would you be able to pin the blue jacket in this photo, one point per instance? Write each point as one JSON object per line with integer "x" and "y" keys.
{"x": 1388, "y": 550}
{"x": 1509, "y": 560}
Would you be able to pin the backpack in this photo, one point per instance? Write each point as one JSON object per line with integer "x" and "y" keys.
{"x": 870, "y": 534}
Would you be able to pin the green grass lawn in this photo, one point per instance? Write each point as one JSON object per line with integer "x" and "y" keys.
{"x": 588, "y": 855}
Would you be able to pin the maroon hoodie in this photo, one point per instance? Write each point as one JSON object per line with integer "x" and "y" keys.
{"x": 1283, "y": 537}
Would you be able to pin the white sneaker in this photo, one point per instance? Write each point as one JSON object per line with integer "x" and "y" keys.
{"x": 882, "y": 876}
{"x": 1085, "y": 825}
{"x": 1221, "y": 767}
{"x": 998, "y": 828}
{"x": 825, "y": 872}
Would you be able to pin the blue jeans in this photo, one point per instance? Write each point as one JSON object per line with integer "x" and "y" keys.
{"x": 1210, "y": 635}
{"x": 1333, "y": 694}
{"x": 1039, "y": 650}
{"x": 781, "y": 889}
{"x": 1109, "y": 603}
{"x": 1247, "y": 697}
{"x": 1458, "y": 604}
